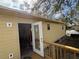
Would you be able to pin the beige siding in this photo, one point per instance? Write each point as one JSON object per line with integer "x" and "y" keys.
{"x": 54, "y": 33}
{"x": 9, "y": 39}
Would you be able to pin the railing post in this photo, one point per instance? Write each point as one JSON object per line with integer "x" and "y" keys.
{"x": 51, "y": 51}
{"x": 64, "y": 53}
{"x": 61, "y": 53}
{"x": 57, "y": 52}
{"x": 54, "y": 52}
{"x": 74, "y": 55}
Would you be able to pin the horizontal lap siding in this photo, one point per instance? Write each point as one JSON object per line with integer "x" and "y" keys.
{"x": 54, "y": 33}
{"x": 9, "y": 38}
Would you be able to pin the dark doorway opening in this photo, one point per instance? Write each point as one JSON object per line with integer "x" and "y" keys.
{"x": 25, "y": 40}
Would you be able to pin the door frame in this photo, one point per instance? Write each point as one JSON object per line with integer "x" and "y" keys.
{"x": 41, "y": 52}
{"x": 32, "y": 37}
{"x": 19, "y": 38}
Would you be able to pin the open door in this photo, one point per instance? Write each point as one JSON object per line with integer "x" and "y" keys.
{"x": 37, "y": 35}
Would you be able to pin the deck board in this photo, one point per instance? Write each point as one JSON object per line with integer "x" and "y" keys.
{"x": 36, "y": 56}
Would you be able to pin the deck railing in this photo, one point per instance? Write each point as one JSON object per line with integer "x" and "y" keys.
{"x": 59, "y": 51}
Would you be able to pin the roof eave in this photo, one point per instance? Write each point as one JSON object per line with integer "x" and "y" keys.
{"x": 24, "y": 14}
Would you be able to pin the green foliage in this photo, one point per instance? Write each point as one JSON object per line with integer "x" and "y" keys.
{"x": 78, "y": 7}
{"x": 56, "y": 7}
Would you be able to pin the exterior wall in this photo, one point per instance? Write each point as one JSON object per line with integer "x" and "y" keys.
{"x": 9, "y": 37}
{"x": 54, "y": 33}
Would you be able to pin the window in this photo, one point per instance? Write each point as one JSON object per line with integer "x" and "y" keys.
{"x": 63, "y": 27}
{"x": 48, "y": 26}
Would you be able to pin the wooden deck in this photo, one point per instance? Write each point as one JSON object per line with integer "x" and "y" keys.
{"x": 36, "y": 56}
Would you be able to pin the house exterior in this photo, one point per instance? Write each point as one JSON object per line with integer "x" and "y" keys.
{"x": 49, "y": 31}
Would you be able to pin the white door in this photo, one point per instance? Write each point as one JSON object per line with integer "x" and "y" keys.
{"x": 37, "y": 36}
